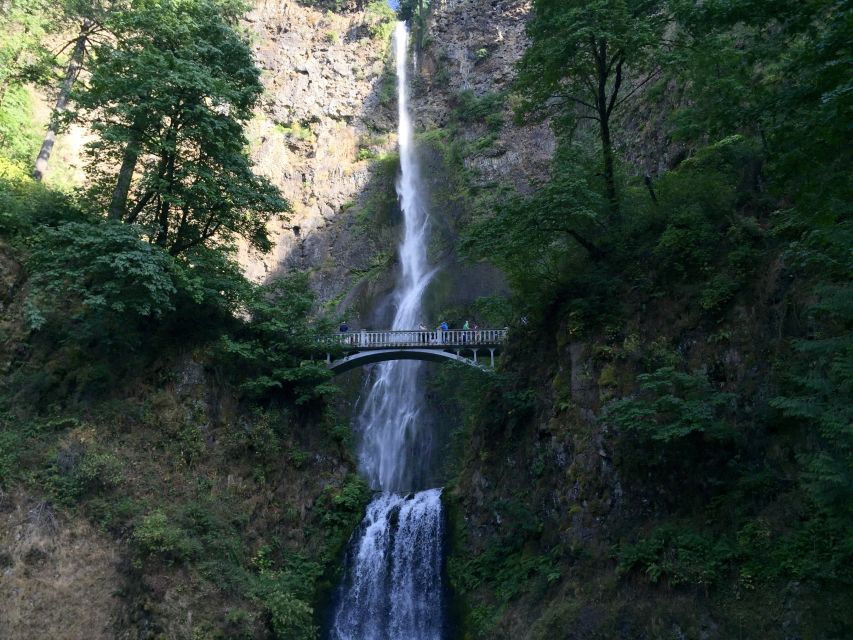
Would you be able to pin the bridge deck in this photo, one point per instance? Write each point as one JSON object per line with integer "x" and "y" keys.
{"x": 439, "y": 340}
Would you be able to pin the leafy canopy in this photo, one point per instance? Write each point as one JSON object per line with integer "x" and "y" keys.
{"x": 103, "y": 267}
{"x": 275, "y": 351}
{"x": 169, "y": 99}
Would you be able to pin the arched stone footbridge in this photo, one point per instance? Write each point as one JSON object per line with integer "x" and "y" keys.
{"x": 476, "y": 348}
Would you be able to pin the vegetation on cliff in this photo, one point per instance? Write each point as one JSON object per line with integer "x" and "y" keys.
{"x": 687, "y": 469}
{"x": 147, "y": 385}
{"x": 666, "y": 450}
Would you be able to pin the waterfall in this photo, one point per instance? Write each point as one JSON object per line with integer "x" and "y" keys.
{"x": 393, "y": 450}
{"x": 392, "y": 588}
{"x": 392, "y": 585}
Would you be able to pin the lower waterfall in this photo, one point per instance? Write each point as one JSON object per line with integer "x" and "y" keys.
{"x": 392, "y": 586}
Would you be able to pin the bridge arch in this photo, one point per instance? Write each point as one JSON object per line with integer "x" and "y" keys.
{"x": 361, "y": 358}
{"x": 366, "y": 347}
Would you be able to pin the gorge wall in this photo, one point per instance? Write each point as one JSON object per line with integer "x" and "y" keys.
{"x": 325, "y": 136}
{"x": 181, "y": 510}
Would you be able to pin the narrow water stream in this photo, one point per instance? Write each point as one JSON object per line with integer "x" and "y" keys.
{"x": 391, "y": 589}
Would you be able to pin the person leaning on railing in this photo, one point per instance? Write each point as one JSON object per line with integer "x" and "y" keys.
{"x": 343, "y": 329}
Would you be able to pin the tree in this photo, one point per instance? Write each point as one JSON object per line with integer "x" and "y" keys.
{"x": 542, "y": 240}
{"x": 23, "y": 58}
{"x": 97, "y": 273}
{"x": 90, "y": 18}
{"x": 169, "y": 99}
{"x": 274, "y": 352}
{"x": 582, "y": 56}
{"x": 22, "y": 29}
{"x": 75, "y": 64}
{"x": 779, "y": 71}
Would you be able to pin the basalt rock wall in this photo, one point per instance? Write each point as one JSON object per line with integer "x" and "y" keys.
{"x": 326, "y": 135}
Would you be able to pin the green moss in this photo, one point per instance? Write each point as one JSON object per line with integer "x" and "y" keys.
{"x": 297, "y": 131}
{"x": 608, "y": 377}
{"x": 380, "y": 19}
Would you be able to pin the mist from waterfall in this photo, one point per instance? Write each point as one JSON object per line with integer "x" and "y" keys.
{"x": 391, "y": 589}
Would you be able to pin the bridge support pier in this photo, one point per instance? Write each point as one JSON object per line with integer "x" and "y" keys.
{"x": 475, "y": 355}
{"x": 492, "y": 357}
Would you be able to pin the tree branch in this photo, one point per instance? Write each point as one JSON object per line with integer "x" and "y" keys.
{"x": 616, "y": 86}
{"x": 633, "y": 91}
{"x": 575, "y": 100}
{"x": 593, "y": 251}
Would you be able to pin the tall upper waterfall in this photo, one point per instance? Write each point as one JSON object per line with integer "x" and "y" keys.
{"x": 393, "y": 449}
{"x": 392, "y": 580}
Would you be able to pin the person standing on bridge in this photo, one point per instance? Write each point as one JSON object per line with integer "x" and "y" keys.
{"x": 465, "y": 327}
{"x": 424, "y": 337}
{"x": 343, "y": 329}
{"x": 442, "y": 328}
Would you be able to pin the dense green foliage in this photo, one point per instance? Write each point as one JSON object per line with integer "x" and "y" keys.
{"x": 717, "y": 301}
{"x": 115, "y": 287}
{"x": 23, "y": 56}
{"x": 673, "y": 421}
{"x": 278, "y": 346}
{"x": 97, "y": 289}
{"x": 168, "y": 101}
{"x": 146, "y": 256}
{"x": 105, "y": 268}
{"x": 583, "y": 57}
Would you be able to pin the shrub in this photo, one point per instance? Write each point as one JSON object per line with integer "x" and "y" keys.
{"x": 157, "y": 536}
{"x": 19, "y": 137}
{"x": 340, "y": 510}
{"x": 679, "y": 555}
{"x": 290, "y": 617}
{"x": 672, "y": 405}
{"x": 99, "y": 269}
{"x": 26, "y": 205}
{"x": 82, "y": 473}
{"x": 380, "y": 19}
{"x": 487, "y": 108}
{"x": 274, "y": 350}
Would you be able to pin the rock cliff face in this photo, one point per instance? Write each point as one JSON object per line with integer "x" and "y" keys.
{"x": 473, "y": 45}
{"x": 326, "y": 135}
{"x": 322, "y": 72}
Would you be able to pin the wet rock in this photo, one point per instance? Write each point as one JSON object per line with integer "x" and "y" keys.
{"x": 6, "y": 559}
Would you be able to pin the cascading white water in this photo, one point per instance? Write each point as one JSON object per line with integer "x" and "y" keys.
{"x": 392, "y": 580}
{"x": 393, "y": 449}
{"x": 392, "y": 586}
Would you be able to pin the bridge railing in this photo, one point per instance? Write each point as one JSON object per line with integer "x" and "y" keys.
{"x": 423, "y": 339}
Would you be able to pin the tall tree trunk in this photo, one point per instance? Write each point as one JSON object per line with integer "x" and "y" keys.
{"x": 609, "y": 173}
{"x": 604, "y": 104}
{"x": 163, "y": 223}
{"x": 71, "y": 73}
{"x": 118, "y": 205}
{"x": 165, "y": 205}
